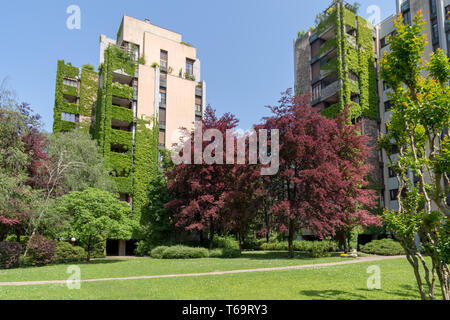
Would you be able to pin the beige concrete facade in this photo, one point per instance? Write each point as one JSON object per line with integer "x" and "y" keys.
{"x": 184, "y": 92}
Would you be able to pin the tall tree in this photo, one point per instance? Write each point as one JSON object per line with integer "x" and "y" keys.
{"x": 418, "y": 129}
{"x": 320, "y": 183}
{"x": 199, "y": 189}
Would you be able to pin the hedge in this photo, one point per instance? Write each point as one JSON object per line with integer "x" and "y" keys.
{"x": 384, "y": 247}
{"x": 184, "y": 252}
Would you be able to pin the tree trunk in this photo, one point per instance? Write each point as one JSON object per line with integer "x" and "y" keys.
{"x": 202, "y": 238}
{"x": 291, "y": 239}
{"x": 211, "y": 234}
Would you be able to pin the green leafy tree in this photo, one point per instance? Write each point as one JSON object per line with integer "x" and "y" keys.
{"x": 88, "y": 166}
{"x": 95, "y": 216}
{"x": 421, "y": 113}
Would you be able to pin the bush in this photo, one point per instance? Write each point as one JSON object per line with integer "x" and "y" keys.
{"x": 157, "y": 252}
{"x": 182, "y": 252}
{"x": 143, "y": 248}
{"x": 65, "y": 252}
{"x": 253, "y": 244}
{"x": 41, "y": 250}
{"x": 10, "y": 254}
{"x": 384, "y": 247}
{"x": 226, "y": 243}
{"x": 224, "y": 253}
{"x": 23, "y": 240}
{"x": 275, "y": 246}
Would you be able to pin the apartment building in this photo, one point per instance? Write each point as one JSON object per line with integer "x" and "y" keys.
{"x": 437, "y": 23}
{"x": 146, "y": 73}
{"x": 325, "y": 60}
{"x": 335, "y": 62}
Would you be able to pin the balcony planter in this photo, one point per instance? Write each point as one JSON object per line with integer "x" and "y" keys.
{"x": 122, "y": 91}
{"x": 122, "y": 138}
{"x": 122, "y": 114}
{"x": 70, "y": 91}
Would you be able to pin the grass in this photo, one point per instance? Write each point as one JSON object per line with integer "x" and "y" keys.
{"x": 346, "y": 282}
{"x": 110, "y": 268}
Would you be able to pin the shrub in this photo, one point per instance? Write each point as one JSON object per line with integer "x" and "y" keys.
{"x": 224, "y": 253}
{"x": 157, "y": 252}
{"x": 10, "y": 254}
{"x": 384, "y": 247}
{"x": 41, "y": 250}
{"x": 179, "y": 252}
{"x": 275, "y": 246}
{"x": 23, "y": 240}
{"x": 182, "y": 252}
{"x": 226, "y": 243}
{"x": 253, "y": 244}
{"x": 143, "y": 248}
{"x": 65, "y": 252}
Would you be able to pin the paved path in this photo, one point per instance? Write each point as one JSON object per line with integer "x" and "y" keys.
{"x": 305, "y": 266}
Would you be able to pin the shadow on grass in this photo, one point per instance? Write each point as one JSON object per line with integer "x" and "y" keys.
{"x": 332, "y": 295}
{"x": 81, "y": 263}
{"x": 279, "y": 255}
{"x": 405, "y": 292}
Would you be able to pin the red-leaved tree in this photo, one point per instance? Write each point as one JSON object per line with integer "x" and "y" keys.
{"x": 320, "y": 184}
{"x": 199, "y": 189}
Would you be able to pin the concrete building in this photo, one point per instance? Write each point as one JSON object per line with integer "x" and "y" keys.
{"x": 335, "y": 63}
{"x": 437, "y": 23}
{"x": 146, "y": 73}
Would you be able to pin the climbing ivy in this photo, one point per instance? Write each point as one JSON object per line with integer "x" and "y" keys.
{"x": 146, "y": 163}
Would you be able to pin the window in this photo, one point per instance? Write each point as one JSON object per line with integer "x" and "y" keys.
{"x": 383, "y": 43}
{"x": 407, "y": 17}
{"x": 162, "y": 117}
{"x": 68, "y": 117}
{"x": 190, "y": 67}
{"x": 162, "y": 137}
{"x": 391, "y": 173}
{"x": 394, "y": 194}
{"x": 316, "y": 91}
{"x": 386, "y": 86}
{"x": 162, "y": 92}
{"x": 433, "y": 8}
{"x": 164, "y": 60}
{"x": 71, "y": 83}
{"x": 435, "y": 32}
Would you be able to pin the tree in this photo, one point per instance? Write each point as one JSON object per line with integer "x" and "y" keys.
{"x": 418, "y": 130}
{"x": 95, "y": 216}
{"x": 18, "y": 200}
{"x": 87, "y": 169}
{"x": 320, "y": 184}
{"x": 198, "y": 189}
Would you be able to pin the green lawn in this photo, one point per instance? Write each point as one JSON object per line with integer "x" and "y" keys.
{"x": 337, "y": 282}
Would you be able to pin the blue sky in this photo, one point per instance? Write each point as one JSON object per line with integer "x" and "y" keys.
{"x": 246, "y": 46}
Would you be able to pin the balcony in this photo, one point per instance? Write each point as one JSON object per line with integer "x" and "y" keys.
{"x": 70, "y": 91}
{"x": 122, "y": 114}
{"x": 199, "y": 91}
{"x": 163, "y": 82}
{"x": 121, "y": 138}
{"x": 123, "y": 91}
{"x": 330, "y": 90}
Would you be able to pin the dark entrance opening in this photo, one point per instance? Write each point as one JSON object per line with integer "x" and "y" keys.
{"x": 130, "y": 247}
{"x": 112, "y": 248}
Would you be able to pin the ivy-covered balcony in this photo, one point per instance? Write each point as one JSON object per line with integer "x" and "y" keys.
{"x": 69, "y": 71}
{"x": 70, "y": 91}
{"x": 120, "y": 164}
{"x": 123, "y": 185}
{"x": 122, "y": 91}
{"x": 121, "y": 138}
{"x": 122, "y": 114}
